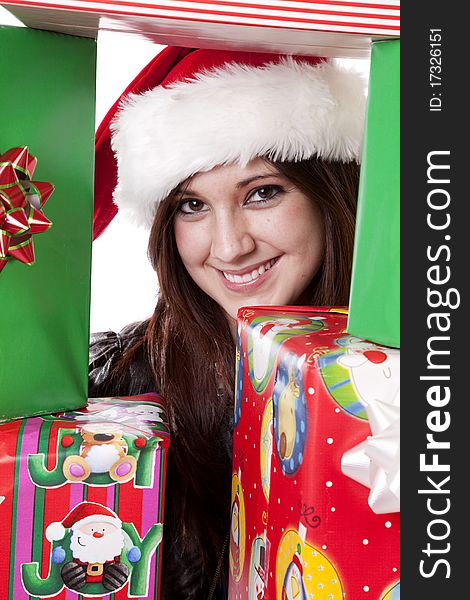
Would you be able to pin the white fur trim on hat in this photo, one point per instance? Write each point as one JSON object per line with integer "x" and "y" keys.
{"x": 285, "y": 111}
{"x": 55, "y": 531}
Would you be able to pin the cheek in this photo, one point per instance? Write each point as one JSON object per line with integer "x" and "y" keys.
{"x": 192, "y": 243}
{"x": 86, "y": 529}
{"x": 107, "y": 529}
{"x": 300, "y": 232}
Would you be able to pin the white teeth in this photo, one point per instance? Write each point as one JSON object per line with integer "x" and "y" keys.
{"x": 249, "y": 276}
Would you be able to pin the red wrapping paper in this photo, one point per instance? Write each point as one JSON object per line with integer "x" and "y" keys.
{"x": 300, "y": 528}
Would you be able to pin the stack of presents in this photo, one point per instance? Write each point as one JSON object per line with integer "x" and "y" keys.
{"x": 315, "y": 481}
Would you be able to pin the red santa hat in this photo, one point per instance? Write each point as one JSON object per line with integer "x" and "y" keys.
{"x": 83, "y": 513}
{"x": 191, "y": 110}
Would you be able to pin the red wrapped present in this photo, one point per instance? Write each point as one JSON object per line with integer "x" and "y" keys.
{"x": 345, "y": 28}
{"x": 81, "y": 501}
{"x": 315, "y": 485}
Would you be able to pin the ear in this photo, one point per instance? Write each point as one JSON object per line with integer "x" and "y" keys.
{"x": 351, "y": 361}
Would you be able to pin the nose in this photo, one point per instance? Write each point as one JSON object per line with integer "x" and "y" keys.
{"x": 375, "y": 356}
{"x": 103, "y": 437}
{"x": 98, "y": 534}
{"x": 231, "y": 238}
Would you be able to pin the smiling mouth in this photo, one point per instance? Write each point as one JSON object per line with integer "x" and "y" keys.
{"x": 78, "y": 540}
{"x": 252, "y": 275}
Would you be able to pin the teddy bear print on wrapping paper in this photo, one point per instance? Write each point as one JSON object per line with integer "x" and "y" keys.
{"x": 100, "y": 453}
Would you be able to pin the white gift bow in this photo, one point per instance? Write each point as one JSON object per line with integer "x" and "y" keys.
{"x": 375, "y": 462}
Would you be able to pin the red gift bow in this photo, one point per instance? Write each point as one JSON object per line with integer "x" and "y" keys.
{"x": 21, "y": 203}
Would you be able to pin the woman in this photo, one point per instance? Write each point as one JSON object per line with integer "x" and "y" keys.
{"x": 245, "y": 168}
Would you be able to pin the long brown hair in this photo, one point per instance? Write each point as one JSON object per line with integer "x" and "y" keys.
{"x": 191, "y": 352}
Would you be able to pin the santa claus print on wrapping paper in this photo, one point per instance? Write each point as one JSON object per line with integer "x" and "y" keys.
{"x": 93, "y": 553}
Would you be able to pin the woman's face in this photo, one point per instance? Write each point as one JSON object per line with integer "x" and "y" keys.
{"x": 248, "y": 236}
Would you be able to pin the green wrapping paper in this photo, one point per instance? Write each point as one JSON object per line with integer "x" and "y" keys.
{"x": 375, "y": 292}
{"x": 47, "y": 100}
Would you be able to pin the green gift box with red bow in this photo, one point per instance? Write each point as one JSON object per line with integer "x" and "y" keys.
{"x": 47, "y": 98}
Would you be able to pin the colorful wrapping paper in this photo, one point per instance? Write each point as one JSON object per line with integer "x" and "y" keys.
{"x": 44, "y": 477}
{"x": 300, "y": 527}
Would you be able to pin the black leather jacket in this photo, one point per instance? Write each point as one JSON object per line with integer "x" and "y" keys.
{"x": 181, "y": 575}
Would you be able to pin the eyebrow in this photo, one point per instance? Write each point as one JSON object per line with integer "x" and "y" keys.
{"x": 249, "y": 180}
{"x": 240, "y": 184}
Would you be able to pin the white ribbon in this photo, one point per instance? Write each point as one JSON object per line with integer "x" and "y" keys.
{"x": 375, "y": 462}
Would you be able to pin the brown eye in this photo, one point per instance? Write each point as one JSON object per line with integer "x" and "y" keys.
{"x": 192, "y": 206}
{"x": 264, "y": 194}
{"x": 195, "y": 205}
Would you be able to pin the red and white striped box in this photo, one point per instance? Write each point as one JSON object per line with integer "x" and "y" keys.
{"x": 331, "y": 27}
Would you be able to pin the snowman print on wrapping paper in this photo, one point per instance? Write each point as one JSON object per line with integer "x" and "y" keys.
{"x": 265, "y": 335}
{"x": 293, "y": 587}
{"x": 304, "y": 572}
{"x": 290, "y": 414}
{"x": 258, "y": 574}
{"x": 360, "y": 372}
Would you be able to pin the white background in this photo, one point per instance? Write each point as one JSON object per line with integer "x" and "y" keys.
{"x": 124, "y": 286}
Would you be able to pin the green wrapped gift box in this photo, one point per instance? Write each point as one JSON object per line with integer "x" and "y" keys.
{"x": 375, "y": 292}
{"x": 47, "y": 101}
